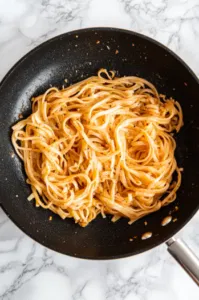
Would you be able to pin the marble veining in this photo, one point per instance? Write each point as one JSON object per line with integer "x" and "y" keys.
{"x": 28, "y": 271}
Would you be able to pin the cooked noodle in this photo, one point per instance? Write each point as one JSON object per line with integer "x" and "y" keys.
{"x": 101, "y": 146}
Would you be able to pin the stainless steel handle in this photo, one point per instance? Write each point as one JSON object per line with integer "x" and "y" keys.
{"x": 185, "y": 257}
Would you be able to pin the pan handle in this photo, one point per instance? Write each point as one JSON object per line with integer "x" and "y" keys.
{"x": 185, "y": 257}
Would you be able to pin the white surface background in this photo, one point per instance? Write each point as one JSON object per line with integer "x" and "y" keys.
{"x": 28, "y": 271}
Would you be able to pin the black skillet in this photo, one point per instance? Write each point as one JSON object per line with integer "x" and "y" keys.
{"x": 75, "y": 56}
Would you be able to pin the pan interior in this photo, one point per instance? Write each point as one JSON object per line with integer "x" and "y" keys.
{"x": 75, "y": 56}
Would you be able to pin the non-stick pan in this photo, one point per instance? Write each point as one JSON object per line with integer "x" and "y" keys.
{"x": 75, "y": 56}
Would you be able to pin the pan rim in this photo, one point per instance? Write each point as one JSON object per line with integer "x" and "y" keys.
{"x": 75, "y": 32}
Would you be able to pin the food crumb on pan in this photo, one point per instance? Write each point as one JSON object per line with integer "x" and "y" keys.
{"x": 98, "y": 42}
{"x": 185, "y": 83}
{"x": 130, "y": 240}
{"x": 77, "y": 36}
{"x": 146, "y": 235}
{"x": 12, "y": 154}
{"x": 176, "y": 208}
{"x": 116, "y": 51}
{"x": 166, "y": 220}
{"x": 108, "y": 47}
{"x": 20, "y": 116}
{"x": 145, "y": 223}
{"x": 66, "y": 80}
{"x": 17, "y": 196}
{"x": 181, "y": 169}
{"x": 135, "y": 237}
{"x": 175, "y": 220}
{"x": 50, "y": 218}
{"x": 133, "y": 44}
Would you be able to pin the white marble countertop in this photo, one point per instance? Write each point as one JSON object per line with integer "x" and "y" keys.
{"x": 28, "y": 271}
